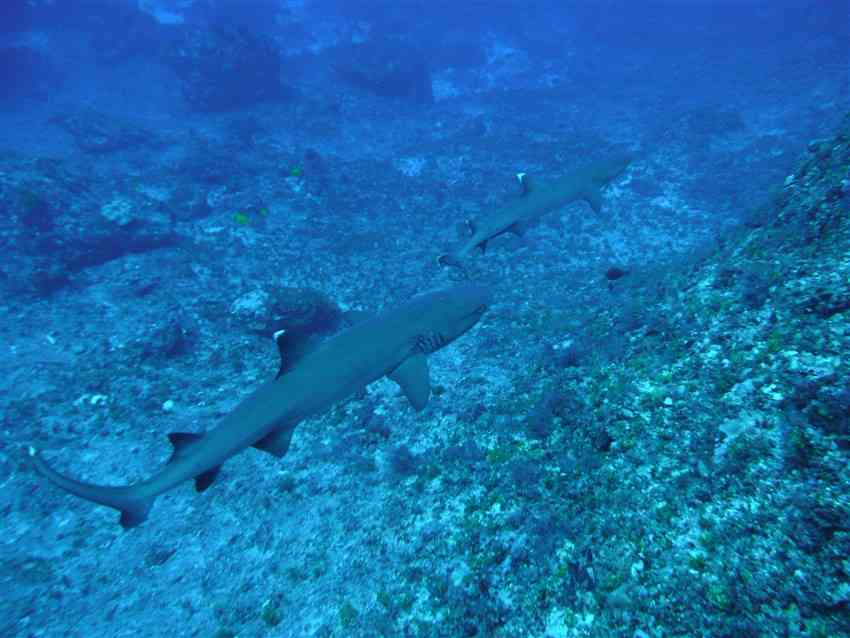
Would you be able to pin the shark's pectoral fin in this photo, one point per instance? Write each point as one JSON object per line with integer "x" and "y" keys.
{"x": 276, "y": 443}
{"x": 183, "y": 443}
{"x": 412, "y": 378}
{"x": 205, "y": 479}
{"x": 518, "y": 228}
{"x": 135, "y": 513}
{"x": 482, "y": 246}
{"x": 593, "y": 196}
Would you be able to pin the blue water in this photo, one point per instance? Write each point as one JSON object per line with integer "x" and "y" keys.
{"x": 182, "y": 179}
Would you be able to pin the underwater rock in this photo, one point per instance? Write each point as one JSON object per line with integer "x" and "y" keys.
{"x": 126, "y": 224}
{"x": 224, "y": 68}
{"x": 301, "y": 310}
{"x": 95, "y": 132}
{"x": 57, "y": 225}
{"x": 387, "y": 68}
{"x": 304, "y": 310}
{"x": 167, "y": 340}
{"x": 35, "y": 212}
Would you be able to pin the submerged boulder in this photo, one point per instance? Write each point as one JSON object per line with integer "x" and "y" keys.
{"x": 56, "y": 225}
{"x": 96, "y": 132}
{"x": 387, "y": 68}
{"x": 273, "y": 308}
{"x": 223, "y": 68}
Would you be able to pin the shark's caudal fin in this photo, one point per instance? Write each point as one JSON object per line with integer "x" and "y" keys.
{"x": 133, "y": 507}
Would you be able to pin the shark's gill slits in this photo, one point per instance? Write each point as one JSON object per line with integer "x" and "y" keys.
{"x": 429, "y": 343}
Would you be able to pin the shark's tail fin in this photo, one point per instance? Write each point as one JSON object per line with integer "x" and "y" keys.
{"x": 134, "y": 507}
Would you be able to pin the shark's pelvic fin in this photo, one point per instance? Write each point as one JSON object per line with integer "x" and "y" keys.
{"x": 183, "y": 442}
{"x": 276, "y": 443}
{"x": 134, "y": 508}
{"x": 412, "y": 378}
{"x": 205, "y": 479}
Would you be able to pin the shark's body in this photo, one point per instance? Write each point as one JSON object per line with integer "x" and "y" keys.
{"x": 394, "y": 344}
{"x": 537, "y": 200}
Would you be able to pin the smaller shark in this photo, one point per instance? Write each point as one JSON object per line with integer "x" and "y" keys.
{"x": 395, "y": 344}
{"x": 535, "y": 201}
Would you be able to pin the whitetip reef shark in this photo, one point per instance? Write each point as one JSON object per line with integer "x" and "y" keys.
{"x": 394, "y": 344}
{"x": 536, "y": 200}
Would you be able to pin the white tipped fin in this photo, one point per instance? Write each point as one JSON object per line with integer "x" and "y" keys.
{"x": 524, "y": 183}
{"x": 293, "y": 346}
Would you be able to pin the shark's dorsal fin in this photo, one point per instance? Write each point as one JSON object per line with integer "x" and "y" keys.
{"x": 283, "y": 350}
{"x": 525, "y": 184}
{"x": 412, "y": 378}
{"x": 183, "y": 442}
{"x": 292, "y": 346}
{"x": 276, "y": 443}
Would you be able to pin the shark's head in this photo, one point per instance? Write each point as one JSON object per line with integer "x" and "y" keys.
{"x": 446, "y": 314}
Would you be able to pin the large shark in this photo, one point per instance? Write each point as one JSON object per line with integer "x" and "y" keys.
{"x": 537, "y": 200}
{"x": 394, "y": 344}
